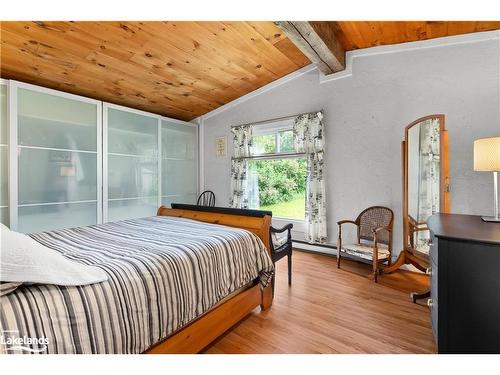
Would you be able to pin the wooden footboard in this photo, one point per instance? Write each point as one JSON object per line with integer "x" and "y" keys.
{"x": 255, "y": 224}
{"x": 205, "y": 329}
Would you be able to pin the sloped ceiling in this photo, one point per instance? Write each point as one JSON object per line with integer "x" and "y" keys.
{"x": 180, "y": 69}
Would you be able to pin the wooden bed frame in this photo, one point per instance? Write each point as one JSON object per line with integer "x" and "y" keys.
{"x": 203, "y": 330}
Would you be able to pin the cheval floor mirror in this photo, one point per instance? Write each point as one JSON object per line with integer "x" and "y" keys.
{"x": 426, "y": 189}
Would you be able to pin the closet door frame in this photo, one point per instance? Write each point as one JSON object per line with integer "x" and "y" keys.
{"x": 197, "y": 151}
{"x": 5, "y": 82}
{"x": 101, "y": 144}
{"x": 13, "y": 87}
{"x": 105, "y": 107}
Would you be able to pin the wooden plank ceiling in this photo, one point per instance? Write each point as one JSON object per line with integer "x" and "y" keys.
{"x": 178, "y": 69}
{"x": 325, "y": 42}
{"x": 183, "y": 69}
{"x": 364, "y": 34}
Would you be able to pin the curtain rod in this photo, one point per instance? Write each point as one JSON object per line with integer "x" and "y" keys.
{"x": 274, "y": 119}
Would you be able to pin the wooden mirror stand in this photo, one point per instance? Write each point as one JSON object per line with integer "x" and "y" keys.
{"x": 414, "y": 225}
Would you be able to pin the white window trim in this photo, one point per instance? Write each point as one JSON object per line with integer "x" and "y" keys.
{"x": 273, "y": 127}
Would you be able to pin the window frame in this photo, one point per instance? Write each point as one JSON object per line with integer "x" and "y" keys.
{"x": 274, "y": 128}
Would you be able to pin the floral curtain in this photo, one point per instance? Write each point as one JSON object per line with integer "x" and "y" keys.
{"x": 309, "y": 139}
{"x": 242, "y": 145}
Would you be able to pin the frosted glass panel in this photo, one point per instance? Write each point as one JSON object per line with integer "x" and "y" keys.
{"x": 132, "y": 208}
{"x": 178, "y": 141}
{"x": 132, "y": 177}
{"x": 56, "y": 216}
{"x": 132, "y": 165}
{"x": 179, "y": 166}
{"x": 130, "y": 133}
{"x": 3, "y": 115}
{"x": 178, "y": 177}
{"x": 52, "y": 121}
{"x": 187, "y": 199}
{"x": 4, "y": 174}
{"x": 4, "y": 216}
{"x": 48, "y": 176}
{"x": 4, "y": 151}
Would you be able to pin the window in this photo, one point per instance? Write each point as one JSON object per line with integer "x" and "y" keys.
{"x": 276, "y": 174}
{"x": 273, "y": 143}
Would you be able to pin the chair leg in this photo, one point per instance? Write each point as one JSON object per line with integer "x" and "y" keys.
{"x": 375, "y": 270}
{"x": 339, "y": 244}
{"x": 389, "y": 260}
{"x": 273, "y": 280}
{"x": 290, "y": 269}
{"x": 416, "y": 295}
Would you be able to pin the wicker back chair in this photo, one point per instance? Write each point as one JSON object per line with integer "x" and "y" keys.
{"x": 374, "y": 237}
{"x": 207, "y": 198}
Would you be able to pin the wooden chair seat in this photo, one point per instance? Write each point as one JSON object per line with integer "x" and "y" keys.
{"x": 365, "y": 251}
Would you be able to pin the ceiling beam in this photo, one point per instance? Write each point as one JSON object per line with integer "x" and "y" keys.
{"x": 318, "y": 42}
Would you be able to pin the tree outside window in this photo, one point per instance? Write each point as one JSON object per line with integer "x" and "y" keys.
{"x": 277, "y": 183}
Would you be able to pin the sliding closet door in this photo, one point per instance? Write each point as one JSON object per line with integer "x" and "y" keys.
{"x": 58, "y": 160}
{"x": 131, "y": 163}
{"x": 4, "y": 153}
{"x": 179, "y": 183}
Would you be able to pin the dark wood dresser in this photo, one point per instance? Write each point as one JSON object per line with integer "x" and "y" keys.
{"x": 465, "y": 283}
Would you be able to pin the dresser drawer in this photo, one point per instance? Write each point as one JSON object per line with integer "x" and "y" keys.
{"x": 433, "y": 248}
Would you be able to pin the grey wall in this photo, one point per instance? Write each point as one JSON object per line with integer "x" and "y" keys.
{"x": 365, "y": 115}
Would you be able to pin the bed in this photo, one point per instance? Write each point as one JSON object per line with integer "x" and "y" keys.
{"x": 176, "y": 281}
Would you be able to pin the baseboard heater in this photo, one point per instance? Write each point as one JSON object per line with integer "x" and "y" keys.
{"x": 318, "y": 248}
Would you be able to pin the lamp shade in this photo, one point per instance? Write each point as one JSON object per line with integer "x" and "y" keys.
{"x": 487, "y": 154}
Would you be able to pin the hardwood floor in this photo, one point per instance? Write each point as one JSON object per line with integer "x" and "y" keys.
{"x": 327, "y": 310}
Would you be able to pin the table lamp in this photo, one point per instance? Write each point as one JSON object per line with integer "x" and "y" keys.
{"x": 487, "y": 159}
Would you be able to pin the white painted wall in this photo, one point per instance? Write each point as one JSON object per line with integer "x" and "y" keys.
{"x": 365, "y": 115}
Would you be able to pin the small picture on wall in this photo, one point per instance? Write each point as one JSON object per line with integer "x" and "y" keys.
{"x": 220, "y": 146}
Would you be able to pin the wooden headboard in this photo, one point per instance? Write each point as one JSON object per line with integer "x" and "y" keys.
{"x": 258, "y": 224}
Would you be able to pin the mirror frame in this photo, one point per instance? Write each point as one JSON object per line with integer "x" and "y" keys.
{"x": 444, "y": 183}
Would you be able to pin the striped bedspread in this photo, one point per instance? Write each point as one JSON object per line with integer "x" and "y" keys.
{"x": 162, "y": 273}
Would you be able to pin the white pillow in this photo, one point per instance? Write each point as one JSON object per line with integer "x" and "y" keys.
{"x": 24, "y": 260}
